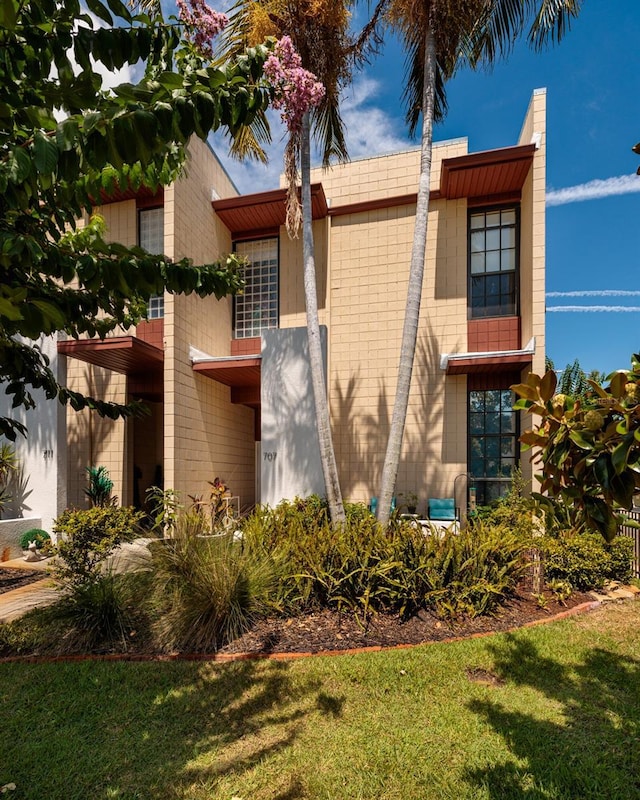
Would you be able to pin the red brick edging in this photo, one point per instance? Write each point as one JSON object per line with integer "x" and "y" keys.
{"x": 224, "y": 658}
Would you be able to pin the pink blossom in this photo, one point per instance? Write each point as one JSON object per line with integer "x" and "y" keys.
{"x": 296, "y": 89}
{"x": 204, "y": 24}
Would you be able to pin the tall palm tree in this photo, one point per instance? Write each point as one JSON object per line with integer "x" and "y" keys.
{"x": 438, "y": 35}
{"x": 319, "y": 30}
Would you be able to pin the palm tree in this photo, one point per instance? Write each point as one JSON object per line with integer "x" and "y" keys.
{"x": 438, "y": 35}
{"x": 319, "y": 31}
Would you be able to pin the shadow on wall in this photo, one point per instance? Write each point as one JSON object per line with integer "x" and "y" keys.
{"x": 86, "y": 434}
{"x": 290, "y": 458}
{"x": 19, "y": 493}
{"x": 431, "y": 419}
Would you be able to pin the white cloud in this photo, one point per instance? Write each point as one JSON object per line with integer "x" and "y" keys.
{"x": 585, "y": 309}
{"x": 596, "y": 293}
{"x": 369, "y": 131}
{"x": 594, "y": 190}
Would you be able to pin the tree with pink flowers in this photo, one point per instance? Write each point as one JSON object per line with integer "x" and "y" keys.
{"x": 312, "y": 60}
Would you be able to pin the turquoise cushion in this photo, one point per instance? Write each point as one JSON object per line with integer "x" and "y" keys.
{"x": 442, "y": 508}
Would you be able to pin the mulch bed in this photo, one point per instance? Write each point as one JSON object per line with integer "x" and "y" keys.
{"x": 11, "y": 579}
{"x": 324, "y": 631}
{"x": 328, "y": 630}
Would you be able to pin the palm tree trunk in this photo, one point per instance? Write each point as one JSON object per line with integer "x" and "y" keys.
{"x": 414, "y": 289}
{"x": 327, "y": 455}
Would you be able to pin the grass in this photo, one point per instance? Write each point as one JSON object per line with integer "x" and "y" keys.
{"x": 561, "y": 721}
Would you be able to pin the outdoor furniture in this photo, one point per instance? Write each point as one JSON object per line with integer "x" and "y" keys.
{"x": 442, "y": 513}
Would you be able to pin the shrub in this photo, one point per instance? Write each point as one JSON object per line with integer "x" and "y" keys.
{"x": 87, "y": 537}
{"x": 96, "y": 613}
{"x": 37, "y": 535}
{"x": 585, "y": 560}
{"x": 363, "y": 567}
{"x": 204, "y": 590}
{"x": 476, "y": 570}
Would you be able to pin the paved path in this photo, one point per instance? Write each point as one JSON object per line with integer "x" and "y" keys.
{"x": 17, "y": 602}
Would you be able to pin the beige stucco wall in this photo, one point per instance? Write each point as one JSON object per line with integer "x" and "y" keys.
{"x": 205, "y": 435}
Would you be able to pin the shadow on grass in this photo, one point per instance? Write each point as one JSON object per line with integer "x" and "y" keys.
{"x": 131, "y": 730}
{"x": 582, "y": 745}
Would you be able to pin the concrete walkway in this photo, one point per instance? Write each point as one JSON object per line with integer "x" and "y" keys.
{"x": 17, "y": 602}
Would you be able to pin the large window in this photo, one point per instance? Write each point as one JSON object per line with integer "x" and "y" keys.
{"x": 257, "y": 307}
{"x": 493, "y": 262}
{"x": 493, "y": 442}
{"x": 151, "y": 238}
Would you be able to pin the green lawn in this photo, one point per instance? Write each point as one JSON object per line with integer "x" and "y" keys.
{"x": 563, "y": 722}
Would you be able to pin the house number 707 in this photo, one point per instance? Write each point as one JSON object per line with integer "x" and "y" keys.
{"x": 270, "y": 456}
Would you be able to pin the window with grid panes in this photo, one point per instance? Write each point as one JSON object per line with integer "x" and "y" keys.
{"x": 493, "y": 442}
{"x": 151, "y": 239}
{"x": 256, "y": 309}
{"x": 493, "y": 262}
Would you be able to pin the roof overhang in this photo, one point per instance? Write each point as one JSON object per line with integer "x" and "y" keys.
{"x": 264, "y": 211}
{"x": 125, "y": 354}
{"x": 486, "y": 174}
{"x": 240, "y": 373}
{"x": 488, "y": 362}
{"x": 143, "y": 196}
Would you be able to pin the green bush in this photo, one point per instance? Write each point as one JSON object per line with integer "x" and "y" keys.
{"x": 586, "y": 560}
{"x": 87, "y": 537}
{"x": 37, "y": 535}
{"x": 363, "y": 568}
{"x": 97, "y": 613}
{"x": 204, "y": 590}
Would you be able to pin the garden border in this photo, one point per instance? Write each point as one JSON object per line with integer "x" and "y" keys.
{"x": 226, "y": 658}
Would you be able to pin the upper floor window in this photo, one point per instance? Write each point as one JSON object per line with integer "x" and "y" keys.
{"x": 493, "y": 262}
{"x": 257, "y": 307}
{"x": 151, "y": 238}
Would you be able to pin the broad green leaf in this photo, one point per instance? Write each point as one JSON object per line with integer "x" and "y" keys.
{"x": 8, "y": 10}
{"x": 19, "y": 165}
{"x": 120, "y": 10}
{"x": 170, "y": 80}
{"x": 51, "y": 312}
{"x": 96, "y": 7}
{"x": 45, "y": 153}
{"x": 581, "y": 439}
{"x": 9, "y": 310}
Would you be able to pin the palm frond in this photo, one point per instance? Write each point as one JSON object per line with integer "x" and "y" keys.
{"x": 328, "y": 132}
{"x": 414, "y": 71}
{"x": 249, "y": 140}
{"x": 499, "y": 26}
{"x": 552, "y": 21}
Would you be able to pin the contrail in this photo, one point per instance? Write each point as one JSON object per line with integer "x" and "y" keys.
{"x": 584, "y": 309}
{"x": 596, "y": 293}
{"x": 594, "y": 190}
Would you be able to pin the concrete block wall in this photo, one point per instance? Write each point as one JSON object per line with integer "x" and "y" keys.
{"x": 93, "y": 440}
{"x": 205, "y": 434}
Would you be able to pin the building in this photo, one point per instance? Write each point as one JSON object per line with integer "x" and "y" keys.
{"x": 227, "y": 382}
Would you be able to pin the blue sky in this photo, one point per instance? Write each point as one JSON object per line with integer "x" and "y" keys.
{"x": 593, "y": 120}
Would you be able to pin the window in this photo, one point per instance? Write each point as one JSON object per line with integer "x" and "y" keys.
{"x": 493, "y": 442}
{"x": 151, "y": 238}
{"x": 256, "y": 309}
{"x": 493, "y": 262}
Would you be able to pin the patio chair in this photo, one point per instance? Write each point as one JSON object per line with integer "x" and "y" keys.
{"x": 442, "y": 512}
